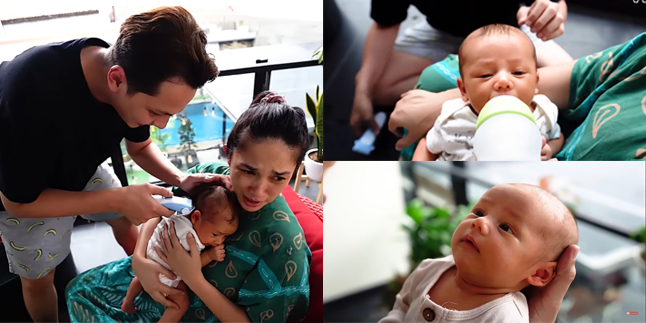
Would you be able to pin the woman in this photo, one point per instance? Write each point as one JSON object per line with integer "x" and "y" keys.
{"x": 602, "y": 97}
{"x": 265, "y": 271}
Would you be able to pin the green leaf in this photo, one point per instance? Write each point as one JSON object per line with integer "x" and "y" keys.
{"x": 442, "y": 213}
{"x": 319, "y": 127}
{"x": 311, "y": 106}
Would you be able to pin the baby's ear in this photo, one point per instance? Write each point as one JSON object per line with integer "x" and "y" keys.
{"x": 537, "y": 79}
{"x": 195, "y": 216}
{"x": 463, "y": 90}
{"x": 543, "y": 274}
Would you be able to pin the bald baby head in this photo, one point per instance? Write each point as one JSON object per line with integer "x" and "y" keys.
{"x": 482, "y": 33}
{"x": 559, "y": 228}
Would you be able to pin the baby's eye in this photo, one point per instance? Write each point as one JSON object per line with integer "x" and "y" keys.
{"x": 279, "y": 178}
{"x": 519, "y": 73}
{"x": 485, "y": 76}
{"x": 505, "y": 228}
{"x": 478, "y": 213}
{"x": 248, "y": 172}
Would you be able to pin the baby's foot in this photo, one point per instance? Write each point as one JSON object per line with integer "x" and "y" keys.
{"x": 129, "y": 308}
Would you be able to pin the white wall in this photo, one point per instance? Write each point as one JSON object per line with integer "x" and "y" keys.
{"x": 364, "y": 245}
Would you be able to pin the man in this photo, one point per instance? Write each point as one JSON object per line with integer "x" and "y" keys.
{"x": 64, "y": 107}
{"x": 387, "y": 72}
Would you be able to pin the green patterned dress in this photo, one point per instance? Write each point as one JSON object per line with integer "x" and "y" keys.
{"x": 265, "y": 271}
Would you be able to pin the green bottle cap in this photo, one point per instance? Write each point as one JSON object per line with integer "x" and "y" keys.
{"x": 504, "y": 104}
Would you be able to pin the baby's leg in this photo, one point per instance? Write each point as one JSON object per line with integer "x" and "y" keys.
{"x": 172, "y": 314}
{"x": 134, "y": 289}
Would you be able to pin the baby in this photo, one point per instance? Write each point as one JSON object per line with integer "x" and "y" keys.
{"x": 512, "y": 239}
{"x": 494, "y": 60}
{"x": 214, "y": 217}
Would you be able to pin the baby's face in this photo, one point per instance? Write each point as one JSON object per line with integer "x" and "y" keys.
{"x": 214, "y": 231}
{"x": 498, "y": 243}
{"x": 498, "y": 65}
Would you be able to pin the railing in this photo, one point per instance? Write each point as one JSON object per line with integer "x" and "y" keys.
{"x": 262, "y": 78}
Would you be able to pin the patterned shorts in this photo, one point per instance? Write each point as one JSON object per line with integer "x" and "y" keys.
{"x": 35, "y": 246}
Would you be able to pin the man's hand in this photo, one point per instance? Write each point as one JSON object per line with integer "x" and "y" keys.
{"x": 416, "y": 112}
{"x": 191, "y": 180}
{"x": 138, "y": 205}
{"x": 362, "y": 116}
{"x": 544, "y": 303}
{"x": 546, "y": 150}
{"x": 543, "y": 18}
{"x": 217, "y": 253}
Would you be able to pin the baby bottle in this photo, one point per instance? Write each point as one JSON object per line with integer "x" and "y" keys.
{"x": 506, "y": 131}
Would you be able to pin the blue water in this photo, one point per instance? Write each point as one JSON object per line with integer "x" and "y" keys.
{"x": 207, "y": 128}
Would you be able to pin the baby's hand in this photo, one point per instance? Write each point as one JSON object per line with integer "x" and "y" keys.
{"x": 546, "y": 151}
{"x": 217, "y": 253}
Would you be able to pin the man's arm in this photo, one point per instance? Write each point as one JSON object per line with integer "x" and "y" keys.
{"x": 52, "y": 203}
{"x": 376, "y": 53}
{"x": 147, "y": 155}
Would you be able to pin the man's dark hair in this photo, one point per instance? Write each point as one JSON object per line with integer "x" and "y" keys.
{"x": 159, "y": 45}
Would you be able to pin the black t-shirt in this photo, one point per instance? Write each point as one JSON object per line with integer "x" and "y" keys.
{"x": 53, "y": 132}
{"x": 459, "y": 17}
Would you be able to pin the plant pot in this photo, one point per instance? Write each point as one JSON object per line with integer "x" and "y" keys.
{"x": 313, "y": 168}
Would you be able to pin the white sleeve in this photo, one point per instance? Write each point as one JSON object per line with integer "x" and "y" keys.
{"x": 556, "y": 131}
{"x": 434, "y": 140}
{"x": 551, "y": 112}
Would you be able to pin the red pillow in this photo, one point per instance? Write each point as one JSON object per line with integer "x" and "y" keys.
{"x": 313, "y": 229}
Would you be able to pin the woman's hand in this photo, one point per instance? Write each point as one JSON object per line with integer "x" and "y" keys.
{"x": 186, "y": 265}
{"x": 192, "y": 180}
{"x": 544, "y": 18}
{"x": 148, "y": 273}
{"x": 544, "y": 303}
{"x": 416, "y": 112}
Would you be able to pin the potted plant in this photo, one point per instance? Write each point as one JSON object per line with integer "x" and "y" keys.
{"x": 187, "y": 140}
{"x": 640, "y": 236}
{"x": 314, "y": 157}
{"x": 430, "y": 230}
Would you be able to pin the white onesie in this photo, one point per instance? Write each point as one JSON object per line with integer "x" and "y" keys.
{"x": 414, "y": 305}
{"x": 183, "y": 226}
{"x": 453, "y": 131}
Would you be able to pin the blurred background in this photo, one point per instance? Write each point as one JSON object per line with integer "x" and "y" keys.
{"x": 383, "y": 218}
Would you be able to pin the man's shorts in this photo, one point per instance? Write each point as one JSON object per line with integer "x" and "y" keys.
{"x": 35, "y": 246}
{"x": 427, "y": 42}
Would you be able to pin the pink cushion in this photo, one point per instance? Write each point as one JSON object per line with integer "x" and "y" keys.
{"x": 312, "y": 224}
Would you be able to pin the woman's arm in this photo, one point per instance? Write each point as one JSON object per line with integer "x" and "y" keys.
{"x": 555, "y": 83}
{"x": 187, "y": 265}
{"x": 148, "y": 270}
{"x": 222, "y": 307}
{"x": 416, "y": 112}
